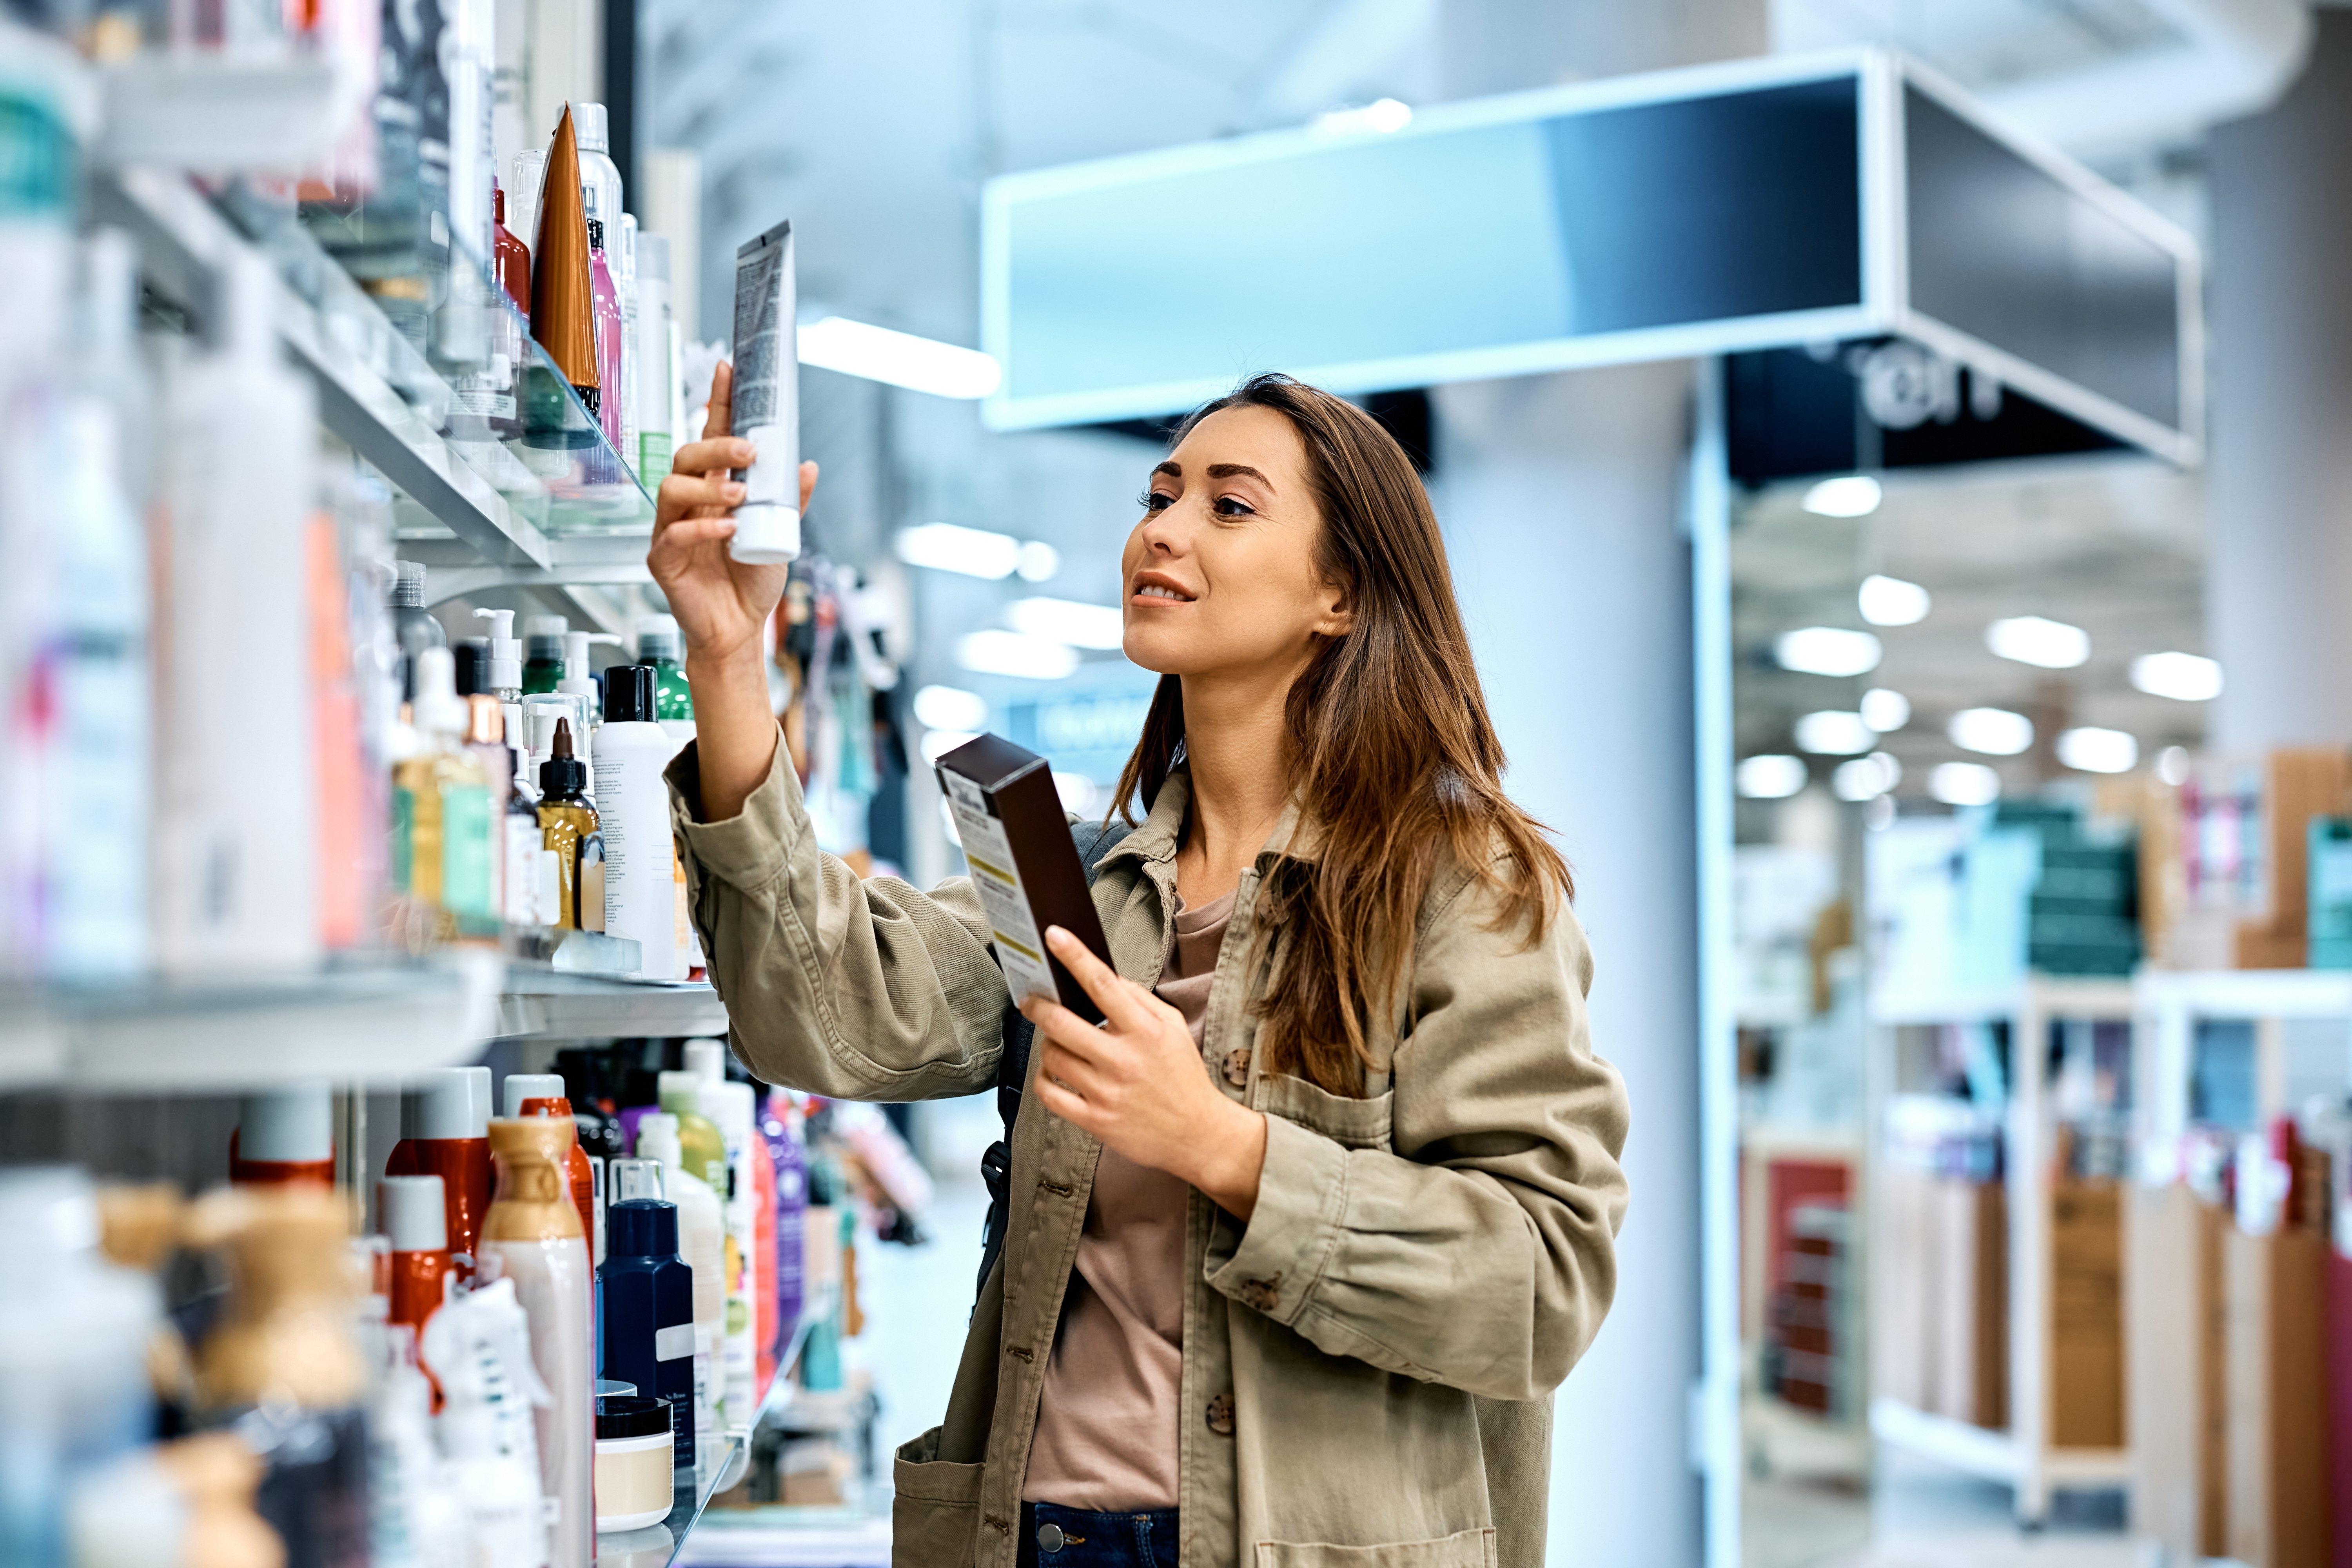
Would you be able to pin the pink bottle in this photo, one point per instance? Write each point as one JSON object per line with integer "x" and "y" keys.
{"x": 609, "y": 335}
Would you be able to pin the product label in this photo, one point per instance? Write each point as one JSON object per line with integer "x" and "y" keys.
{"x": 674, "y": 1342}
{"x": 466, "y": 851}
{"x": 652, "y": 453}
{"x": 592, "y": 882}
{"x": 404, "y": 838}
{"x": 1019, "y": 947}
{"x": 523, "y": 838}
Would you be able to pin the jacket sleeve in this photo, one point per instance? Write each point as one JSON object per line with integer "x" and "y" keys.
{"x": 1482, "y": 1252}
{"x": 859, "y": 989}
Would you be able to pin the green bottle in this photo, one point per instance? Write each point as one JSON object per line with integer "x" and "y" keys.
{"x": 660, "y": 645}
{"x": 698, "y": 1138}
{"x": 543, "y": 638}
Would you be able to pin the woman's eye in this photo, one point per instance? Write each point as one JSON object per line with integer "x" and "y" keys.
{"x": 1233, "y": 506}
{"x": 1155, "y": 501}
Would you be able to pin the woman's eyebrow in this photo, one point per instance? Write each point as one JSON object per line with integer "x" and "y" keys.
{"x": 1172, "y": 468}
{"x": 1236, "y": 471}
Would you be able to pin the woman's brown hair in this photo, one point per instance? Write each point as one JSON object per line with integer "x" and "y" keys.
{"x": 1397, "y": 763}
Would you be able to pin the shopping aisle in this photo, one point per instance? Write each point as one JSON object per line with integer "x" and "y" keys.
{"x": 1924, "y": 1516}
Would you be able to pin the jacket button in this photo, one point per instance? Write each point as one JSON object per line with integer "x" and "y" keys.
{"x": 1264, "y": 1295}
{"x": 1236, "y": 1068}
{"x": 1221, "y": 1415}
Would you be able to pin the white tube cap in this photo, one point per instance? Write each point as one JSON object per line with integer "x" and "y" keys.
{"x": 657, "y": 1140}
{"x": 675, "y": 1090}
{"x": 415, "y": 1217}
{"x": 287, "y": 1125}
{"x": 522, "y": 1085}
{"x": 732, "y": 1105}
{"x": 445, "y": 1102}
{"x": 638, "y": 1178}
{"x": 707, "y": 1059}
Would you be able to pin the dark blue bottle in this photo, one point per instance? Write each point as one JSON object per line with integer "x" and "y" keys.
{"x": 648, "y": 1297}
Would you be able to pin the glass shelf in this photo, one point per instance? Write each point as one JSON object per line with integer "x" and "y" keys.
{"x": 540, "y": 496}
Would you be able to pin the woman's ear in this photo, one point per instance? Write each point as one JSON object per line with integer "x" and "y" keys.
{"x": 1339, "y": 612}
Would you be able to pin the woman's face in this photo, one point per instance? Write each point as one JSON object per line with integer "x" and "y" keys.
{"x": 1220, "y": 574}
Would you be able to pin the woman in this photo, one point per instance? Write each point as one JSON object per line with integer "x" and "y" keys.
{"x": 1305, "y": 1234}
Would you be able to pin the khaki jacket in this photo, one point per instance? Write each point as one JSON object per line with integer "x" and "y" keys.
{"x": 1368, "y": 1362}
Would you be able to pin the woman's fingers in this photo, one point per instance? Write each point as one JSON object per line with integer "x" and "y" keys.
{"x": 808, "y": 483}
{"x": 687, "y": 533}
{"x": 1067, "y": 1070}
{"x": 1059, "y": 1026}
{"x": 714, "y": 457}
{"x": 721, "y": 417}
{"x": 1120, "y": 1000}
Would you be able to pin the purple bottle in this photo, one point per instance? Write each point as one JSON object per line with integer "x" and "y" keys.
{"x": 607, "y": 316}
{"x": 780, "y": 1120}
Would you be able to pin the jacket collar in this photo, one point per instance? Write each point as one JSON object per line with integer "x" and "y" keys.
{"x": 1161, "y": 832}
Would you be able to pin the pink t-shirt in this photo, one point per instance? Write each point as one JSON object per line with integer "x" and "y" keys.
{"x": 1106, "y": 1415}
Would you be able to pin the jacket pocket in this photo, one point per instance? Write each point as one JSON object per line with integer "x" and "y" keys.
{"x": 1352, "y": 1123}
{"x": 935, "y": 1519}
{"x": 1468, "y": 1549}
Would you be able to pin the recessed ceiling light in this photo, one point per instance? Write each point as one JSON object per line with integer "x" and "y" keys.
{"x": 1827, "y": 651}
{"x": 1835, "y": 734}
{"x": 1865, "y": 778}
{"x": 951, "y": 708}
{"x": 1995, "y": 732}
{"x": 901, "y": 359}
{"x": 1964, "y": 784}
{"x": 2184, "y": 677}
{"x": 1885, "y": 710}
{"x": 1892, "y": 602}
{"x": 2031, "y": 640}
{"x": 1850, "y": 495}
{"x": 1770, "y": 777}
{"x": 1010, "y": 653}
{"x": 1068, "y": 620}
{"x": 2096, "y": 751}
{"x": 946, "y": 547}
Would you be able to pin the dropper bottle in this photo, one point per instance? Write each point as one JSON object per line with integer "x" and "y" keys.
{"x": 580, "y": 682}
{"x": 568, "y": 825}
{"x": 441, "y": 812}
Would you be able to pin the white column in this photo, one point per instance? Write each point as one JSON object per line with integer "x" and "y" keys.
{"x": 1563, "y": 499}
{"x": 2279, "y": 595}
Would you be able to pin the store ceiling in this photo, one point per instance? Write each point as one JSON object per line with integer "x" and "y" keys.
{"x": 2112, "y": 545}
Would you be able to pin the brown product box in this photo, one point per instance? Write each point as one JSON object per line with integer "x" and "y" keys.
{"x": 2086, "y": 1323}
{"x": 1017, "y": 840}
{"x": 2275, "y": 1350}
{"x": 2172, "y": 1265}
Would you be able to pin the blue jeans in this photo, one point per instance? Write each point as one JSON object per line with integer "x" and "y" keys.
{"x": 1084, "y": 1540}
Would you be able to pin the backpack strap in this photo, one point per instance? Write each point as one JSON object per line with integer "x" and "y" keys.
{"x": 1093, "y": 840}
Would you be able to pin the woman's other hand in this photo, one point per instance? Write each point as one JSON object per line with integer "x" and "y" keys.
{"x": 1137, "y": 1083}
{"x": 720, "y": 603}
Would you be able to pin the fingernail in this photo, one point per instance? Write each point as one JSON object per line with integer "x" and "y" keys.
{"x": 736, "y": 491}
{"x": 1056, "y": 934}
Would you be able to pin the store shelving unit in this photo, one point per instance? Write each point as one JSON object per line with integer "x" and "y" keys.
{"x": 2171, "y": 1004}
{"x": 2022, "y": 1455}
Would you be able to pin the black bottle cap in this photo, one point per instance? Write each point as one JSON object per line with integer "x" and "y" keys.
{"x": 641, "y": 1227}
{"x": 631, "y": 1416}
{"x": 562, "y": 774}
{"x": 470, "y": 657}
{"x": 629, "y": 694}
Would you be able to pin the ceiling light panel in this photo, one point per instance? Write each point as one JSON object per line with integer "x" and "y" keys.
{"x": 1892, "y": 602}
{"x": 2184, "y": 677}
{"x": 2031, "y": 640}
{"x": 1995, "y": 732}
{"x": 1772, "y": 776}
{"x": 1827, "y": 651}
{"x": 1835, "y": 734}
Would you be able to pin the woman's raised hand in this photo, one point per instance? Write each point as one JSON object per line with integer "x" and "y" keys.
{"x": 1137, "y": 1083}
{"x": 720, "y": 603}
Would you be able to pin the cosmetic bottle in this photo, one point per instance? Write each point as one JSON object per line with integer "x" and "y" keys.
{"x": 445, "y": 1125}
{"x": 236, "y": 832}
{"x": 442, "y": 821}
{"x": 789, "y": 1150}
{"x": 542, "y": 1094}
{"x": 625, "y": 282}
{"x": 542, "y": 641}
{"x": 633, "y": 808}
{"x": 513, "y": 257}
{"x": 73, "y": 1333}
{"x": 705, "y": 1146}
{"x": 611, "y": 332}
{"x": 569, "y": 826}
{"x": 762, "y": 1261}
{"x": 562, "y": 286}
{"x": 522, "y": 204}
{"x": 478, "y": 1348}
{"x": 188, "y": 1503}
{"x": 502, "y": 674}
{"x": 635, "y": 1474}
{"x": 661, "y": 645}
{"x": 285, "y": 1137}
{"x": 657, "y": 368}
{"x": 534, "y": 1232}
{"x": 486, "y": 742}
{"x": 701, "y": 1243}
{"x": 729, "y": 1109}
{"x": 416, "y": 1222}
{"x": 415, "y": 1517}
{"x": 649, "y": 1292}
{"x": 415, "y": 627}
{"x": 283, "y": 1370}
{"x": 584, "y": 1086}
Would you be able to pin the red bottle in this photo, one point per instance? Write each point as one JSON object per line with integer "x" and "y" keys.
{"x": 286, "y": 1137}
{"x": 541, "y": 1094}
{"x": 513, "y": 256}
{"x": 445, "y": 1124}
{"x": 416, "y": 1223}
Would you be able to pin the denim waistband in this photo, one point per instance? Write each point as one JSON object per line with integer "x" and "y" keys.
{"x": 1052, "y": 1536}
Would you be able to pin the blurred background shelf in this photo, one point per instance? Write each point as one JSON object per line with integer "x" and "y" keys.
{"x": 543, "y": 1004}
